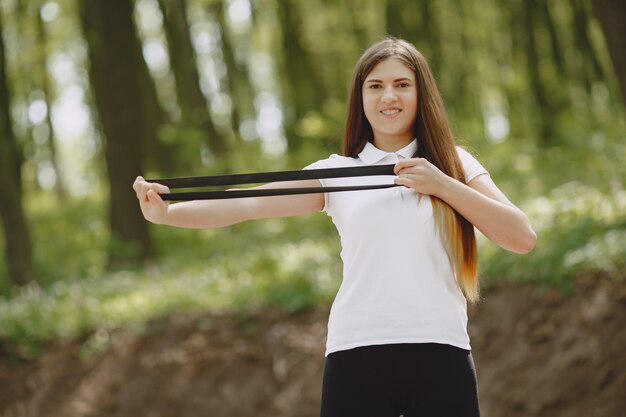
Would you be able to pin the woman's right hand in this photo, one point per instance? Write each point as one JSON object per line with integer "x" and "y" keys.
{"x": 211, "y": 214}
{"x": 154, "y": 209}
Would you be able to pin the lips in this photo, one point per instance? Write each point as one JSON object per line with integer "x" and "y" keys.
{"x": 390, "y": 113}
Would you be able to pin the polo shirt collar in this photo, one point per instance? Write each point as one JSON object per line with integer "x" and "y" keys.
{"x": 371, "y": 154}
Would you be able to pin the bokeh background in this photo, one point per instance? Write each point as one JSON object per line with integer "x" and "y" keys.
{"x": 96, "y": 92}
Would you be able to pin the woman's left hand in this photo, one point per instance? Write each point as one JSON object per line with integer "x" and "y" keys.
{"x": 422, "y": 176}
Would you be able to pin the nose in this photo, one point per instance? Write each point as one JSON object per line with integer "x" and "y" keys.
{"x": 389, "y": 94}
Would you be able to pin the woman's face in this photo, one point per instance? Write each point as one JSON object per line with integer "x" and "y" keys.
{"x": 390, "y": 103}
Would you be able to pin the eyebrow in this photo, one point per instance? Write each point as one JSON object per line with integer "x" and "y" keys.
{"x": 395, "y": 81}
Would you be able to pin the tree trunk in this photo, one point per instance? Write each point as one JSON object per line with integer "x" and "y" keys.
{"x": 555, "y": 45}
{"x": 302, "y": 89}
{"x": 47, "y": 93}
{"x": 115, "y": 74}
{"x": 462, "y": 99}
{"x": 395, "y": 23}
{"x": 17, "y": 237}
{"x": 193, "y": 104}
{"x": 239, "y": 86}
{"x": 358, "y": 25}
{"x": 157, "y": 154}
{"x": 612, "y": 17}
{"x": 430, "y": 31}
{"x": 542, "y": 112}
{"x": 591, "y": 69}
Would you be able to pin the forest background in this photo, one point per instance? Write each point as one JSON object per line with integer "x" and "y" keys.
{"x": 96, "y": 92}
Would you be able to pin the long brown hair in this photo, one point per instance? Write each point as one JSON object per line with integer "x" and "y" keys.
{"x": 435, "y": 143}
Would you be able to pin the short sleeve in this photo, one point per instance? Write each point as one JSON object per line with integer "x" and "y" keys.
{"x": 322, "y": 164}
{"x": 471, "y": 166}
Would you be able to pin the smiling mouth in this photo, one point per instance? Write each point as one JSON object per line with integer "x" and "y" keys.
{"x": 390, "y": 112}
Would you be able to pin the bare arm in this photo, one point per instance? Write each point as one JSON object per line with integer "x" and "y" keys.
{"x": 481, "y": 202}
{"x": 220, "y": 213}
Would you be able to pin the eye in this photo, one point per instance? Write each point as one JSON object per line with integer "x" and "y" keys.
{"x": 374, "y": 86}
{"x": 404, "y": 85}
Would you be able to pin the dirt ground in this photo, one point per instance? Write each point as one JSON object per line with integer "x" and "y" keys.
{"x": 537, "y": 353}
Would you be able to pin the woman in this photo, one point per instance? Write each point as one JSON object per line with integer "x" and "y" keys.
{"x": 397, "y": 340}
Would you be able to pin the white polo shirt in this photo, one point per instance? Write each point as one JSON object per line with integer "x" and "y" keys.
{"x": 398, "y": 285}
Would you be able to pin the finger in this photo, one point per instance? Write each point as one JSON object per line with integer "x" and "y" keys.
{"x": 407, "y": 174}
{"x": 400, "y": 165}
{"x": 402, "y": 181}
{"x": 143, "y": 192}
{"x": 406, "y": 163}
{"x": 141, "y": 188}
{"x": 146, "y": 187}
{"x": 153, "y": 196}
{"x": 137, "y": 183}
{"x": 403, "y": 164}
{"x": 161, "y": 189}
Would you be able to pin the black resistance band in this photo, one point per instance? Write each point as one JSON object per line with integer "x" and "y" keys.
{"x": 235, "y": 179}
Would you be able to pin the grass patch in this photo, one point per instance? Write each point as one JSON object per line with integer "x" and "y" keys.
{"x": 290, "y": 264}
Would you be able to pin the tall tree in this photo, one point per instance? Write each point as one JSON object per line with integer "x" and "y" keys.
{"x": 354, "y": 17}
{"x": 533, "y": 59}
{"x": 555, "y": 46}
{"x": 395, "y": 23}
{"x": 44, "y": 79}
{"x": 592, "y": 69}
{"x": 157, "y": 154}
{"x": 239, "y": 86}
{"x": 612, "y": 17}
{"x": 16, "y": 232}
{"x": 192, "y": 102}
{"x": 462, "y": 98}
{"x": 302, "y": 89}
{"x": 115, "y": 73}
{"x": 428, "y": 34}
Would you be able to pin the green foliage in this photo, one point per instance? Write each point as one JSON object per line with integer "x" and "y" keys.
{"x": 70, "y": 237}
{"x": 289, "y": 264}
{"x": 581, "y": 231}
{"x": 73, "y": 310}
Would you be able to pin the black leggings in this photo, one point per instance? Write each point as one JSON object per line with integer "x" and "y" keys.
{"x": 412, "y": 379}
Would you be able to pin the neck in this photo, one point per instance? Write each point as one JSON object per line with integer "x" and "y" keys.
{"x": 391, "y": 144}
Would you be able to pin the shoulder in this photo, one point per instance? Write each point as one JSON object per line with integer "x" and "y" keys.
{"x": 333, "y": 161}
{"x": 464, "y": 154}
{"x": 471, "y": 165}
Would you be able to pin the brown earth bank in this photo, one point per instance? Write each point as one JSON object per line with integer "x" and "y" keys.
{"x": 537, "y": 353}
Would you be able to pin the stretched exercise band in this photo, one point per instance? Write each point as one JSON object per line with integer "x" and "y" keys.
{"x": 307, "y": 174}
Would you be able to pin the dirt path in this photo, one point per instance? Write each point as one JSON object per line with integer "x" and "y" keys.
{"x": 537, "y": 353}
